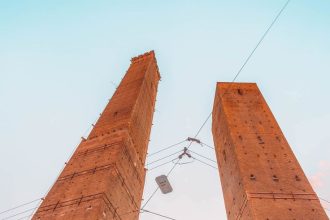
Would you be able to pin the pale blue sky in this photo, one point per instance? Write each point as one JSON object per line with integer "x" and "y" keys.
{"x": 58, "y": 60}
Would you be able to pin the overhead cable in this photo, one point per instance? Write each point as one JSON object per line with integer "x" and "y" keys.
{"x": 255, "y": 48}
{"x": 205, "y": 163}
{"x": 154, "y": 213}
{"x": 261, "y": 39}
{"x": 166, "y": 148}
{"x": 25, "y": 204}
{"x": 207, "y": 145}
{"x": 155, "y": 161}
{"x": 14, "y": 215}
{"x": 236, "y": 76}
{"x": 171, "y": 161}
{"x": 203, "y": 156}
{"x": 324, "y": 200}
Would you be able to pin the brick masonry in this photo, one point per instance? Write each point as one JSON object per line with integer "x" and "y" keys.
{"x": 260, "y": 175}
{"x": 104, "y": 179}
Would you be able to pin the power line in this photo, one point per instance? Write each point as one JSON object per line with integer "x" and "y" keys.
{"x": 207, "y": 145}
{"x": 256, "y": 47}
{"x": 171, "y": 161}
{"x": 11, "y": 216}
{"x": 155, "y": 161}
{"x": 166, "y": 148}
{"x": 154, "y": 213}
{"x": 204, "y": 123}
{"x": 205, "y": 163}
{"x": 24, "y": 217}
{"x": 261, "y": 39}
{"x": 237, "y": 74}
{"x": 199, "y": 130}
{"x": 8, "y": 210}
{"x": 324, "y": 200}
{"x": 70, "y": 156}
{"x": 154, "y": 193}
{"x": 203, "y": 156}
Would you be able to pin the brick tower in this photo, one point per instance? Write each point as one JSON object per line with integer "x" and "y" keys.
{"x": 104, "y": 178}
{"x": 260, "y": 176}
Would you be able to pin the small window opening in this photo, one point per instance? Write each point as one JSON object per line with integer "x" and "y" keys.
{"x": 252, "y": 177}
{"x": 224, "y": 155}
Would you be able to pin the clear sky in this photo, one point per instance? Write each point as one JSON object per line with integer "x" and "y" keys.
{"x": 59, "y": 60}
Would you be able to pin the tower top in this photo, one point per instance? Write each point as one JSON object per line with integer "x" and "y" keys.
{"x": 143, "y": 56}
{"x": 146, "y": 56}
{"x": 226, "y": 84}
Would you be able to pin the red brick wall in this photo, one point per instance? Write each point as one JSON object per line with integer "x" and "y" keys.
{"x": 260, "y": 175}
{"x": 104, "y": 179}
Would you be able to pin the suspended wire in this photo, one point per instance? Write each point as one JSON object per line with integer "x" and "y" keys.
{"x": 154, "y": 213}
{"x": 171, "y": 161}
{"x": 24, "y": 217}
{"x": 14, "y": 215}
{"x": 254, "y": 49}
{"x": 41, "y": 199}
{"x": 324, "y": 200}
{"x": 320, "y": 198}
{"x": 203, "y": 156}
{"x": 166, "y": 148}
{"x": 206, "y": 145}
{"x": 37, "y": 207}
{"x": 236, "y": 76}
{"x": 8, "y": 210}
{"x": 205, "y": 163}
{"x": 155, "y": 161}
{"x": 150, "y": 197}
{"x": 204, "y": 123}
{"x": 261, "y": 39}
{"x": 184, "y": 163}
{"x": 190, "y": 143}
{"x": 70, "y": 156}
{"x": 154, "y": 192}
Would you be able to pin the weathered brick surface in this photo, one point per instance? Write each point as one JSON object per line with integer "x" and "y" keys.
{"x": 104, "y": 178}
{"x": 260, "y": 176}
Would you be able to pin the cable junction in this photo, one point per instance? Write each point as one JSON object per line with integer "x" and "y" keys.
{"x": 235, "y": 77}
{"x": 194, "y": 139}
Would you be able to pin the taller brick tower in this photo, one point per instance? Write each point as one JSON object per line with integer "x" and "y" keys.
{"x": 260, "y": 176}
{"x": 104, "y": 179}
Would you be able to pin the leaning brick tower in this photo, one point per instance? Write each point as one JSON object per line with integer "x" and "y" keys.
{"x": 260, "y": 176}
{"x": 104, "y": 179}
